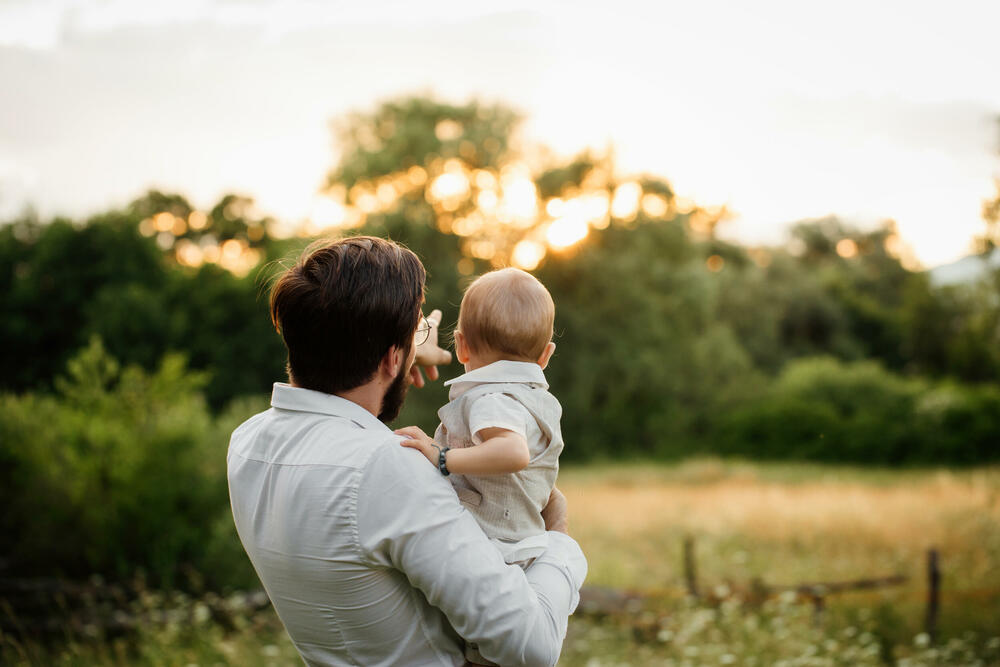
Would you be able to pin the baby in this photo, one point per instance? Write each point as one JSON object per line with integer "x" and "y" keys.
{"x": 499, "y": 439}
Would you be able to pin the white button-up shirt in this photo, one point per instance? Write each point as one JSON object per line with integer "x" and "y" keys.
{"x": 367, "y": 555}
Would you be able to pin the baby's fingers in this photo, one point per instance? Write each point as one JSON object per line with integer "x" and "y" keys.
{"x": 412, "y": 432}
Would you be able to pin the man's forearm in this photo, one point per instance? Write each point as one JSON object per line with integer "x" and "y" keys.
{"x": 556, "y": 577}
{"x": 516, "y": 618}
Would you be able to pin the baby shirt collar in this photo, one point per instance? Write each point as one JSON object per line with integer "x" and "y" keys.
{"x": 504, "y": 371}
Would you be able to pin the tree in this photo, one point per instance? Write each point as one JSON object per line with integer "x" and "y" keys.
{"x": 990, "y": 238}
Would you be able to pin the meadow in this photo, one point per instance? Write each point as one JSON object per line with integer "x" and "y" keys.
{"x": 781, "y": 524}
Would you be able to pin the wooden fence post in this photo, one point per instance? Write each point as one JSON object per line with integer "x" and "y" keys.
{"x": 933, "y": 593}
{"x": 690, "y": 573}
{"x": 819, "y": 608}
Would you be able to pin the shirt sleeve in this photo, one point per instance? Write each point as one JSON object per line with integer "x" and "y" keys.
{"x": 498, "y": 411}
{"x": 409, "y": 518}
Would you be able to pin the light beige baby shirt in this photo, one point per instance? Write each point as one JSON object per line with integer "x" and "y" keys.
{"x": 512, "y": 395}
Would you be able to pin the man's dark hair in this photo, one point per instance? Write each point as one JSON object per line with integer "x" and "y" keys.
{"x": 342, "y": 306}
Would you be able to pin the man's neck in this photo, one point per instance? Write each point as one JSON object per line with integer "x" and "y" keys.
{"x": 369, "y": 395}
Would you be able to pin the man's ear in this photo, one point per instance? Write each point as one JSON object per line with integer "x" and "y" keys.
{"x": 461, "y": 348}
{"x": 543, "y": 360}
{"x": 391, "y": 362}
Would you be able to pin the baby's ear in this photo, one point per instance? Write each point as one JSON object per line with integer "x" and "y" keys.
{"x": 543, "y": 360}
{"x": 461, "y": 347}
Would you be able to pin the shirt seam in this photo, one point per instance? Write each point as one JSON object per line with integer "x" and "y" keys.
{"x": 371, "y": 561}
{"x": 424, "y": 630}
{"x": 379, "y": 450}
{"x": 295, "y": 465}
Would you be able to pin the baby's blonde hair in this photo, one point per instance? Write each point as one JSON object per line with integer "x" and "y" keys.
{"x": 508, "y": 312}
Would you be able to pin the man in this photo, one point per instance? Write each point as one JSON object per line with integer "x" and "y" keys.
{"x": 364, "y": 549}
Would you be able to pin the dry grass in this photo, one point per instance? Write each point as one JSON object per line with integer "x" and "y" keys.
{"x": 790, "y": 524}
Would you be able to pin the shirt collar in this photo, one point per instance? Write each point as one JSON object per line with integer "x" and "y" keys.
{"x": 287, "y": 397}
{"x": 504, "y": 371}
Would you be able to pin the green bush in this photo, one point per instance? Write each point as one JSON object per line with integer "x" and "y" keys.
{"x": 121, "y": 469}
{"x": 959, "y": 424}
{"x": 825, "y": 410}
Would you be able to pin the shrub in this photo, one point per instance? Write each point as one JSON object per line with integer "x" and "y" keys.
{"x": 121, "y": 469}
{"x": 825, "y": 410}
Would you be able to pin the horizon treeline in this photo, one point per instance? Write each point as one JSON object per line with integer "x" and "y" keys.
{"x": 136, "y": 339}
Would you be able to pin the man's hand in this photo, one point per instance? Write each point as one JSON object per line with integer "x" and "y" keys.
{"x": 420, "y": 441}
{"x": 429, "y": 355}
{"x": 556, "y": 513}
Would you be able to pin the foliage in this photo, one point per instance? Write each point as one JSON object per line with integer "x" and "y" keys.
{"x": 684, "y": 632}
{"x": 640, "y": 362}
{"x": 825, "y": 410}
{"x": 119, "y": 469}
{"x": 64, "y": 283}
{"x": 669, "y": 340}
{"x": 414, "y": 131}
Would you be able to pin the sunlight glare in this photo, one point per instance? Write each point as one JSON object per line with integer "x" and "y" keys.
{"x": 519, "y": 204}
{"x": 654, "y": 205}
{"x": 386, "y": 194}
{"x": 625, "y": 203}
{"x": 448, "y": 130}
{"x": 487, "y": 200}
{"x": 188, "y": 253}
{"x": 231, "y": 249}
{"x": 566, "y": 231}
{"x": 528, "y": 254}
{"x": 485, "y": 179}
{"x": 847, "y": 248}
{"x": 326, "y": 212}
{"x": 483, "y": 249}
{"x": 449, "y": 186}
{"x": 197, "y": 220}
{"x": 163, "y": 222}
{"x": 416, "y": 175}
{"x": 469, "y": 225}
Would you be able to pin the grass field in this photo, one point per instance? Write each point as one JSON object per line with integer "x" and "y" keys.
{"x": 779, "y": 523}
{"x": 788, "y": 524}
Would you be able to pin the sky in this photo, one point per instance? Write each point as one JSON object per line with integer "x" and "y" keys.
{"x": 783, "y": 111}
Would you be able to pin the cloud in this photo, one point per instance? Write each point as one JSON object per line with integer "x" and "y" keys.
{"x": 18, "y": 185}
{"x": 47, "y": 24}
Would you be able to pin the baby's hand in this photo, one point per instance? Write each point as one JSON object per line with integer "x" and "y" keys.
{"x": 421, "y": 442}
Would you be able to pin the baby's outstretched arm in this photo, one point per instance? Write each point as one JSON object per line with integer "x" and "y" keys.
{"x": 500, "y": 451}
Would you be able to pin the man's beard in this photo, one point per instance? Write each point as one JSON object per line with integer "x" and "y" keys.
{"x": 392, "y": 402}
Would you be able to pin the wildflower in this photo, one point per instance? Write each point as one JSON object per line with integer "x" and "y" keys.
{"x": 202, "y": 613}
